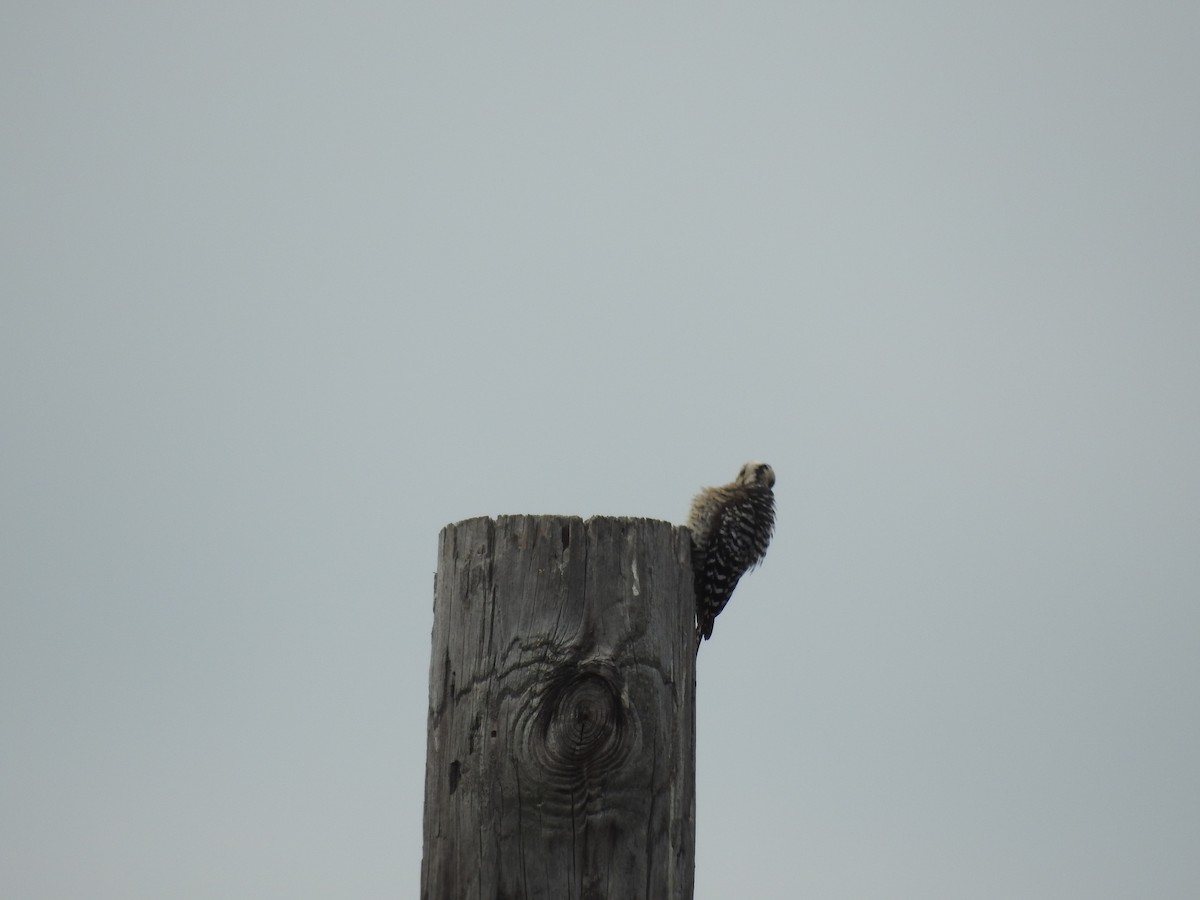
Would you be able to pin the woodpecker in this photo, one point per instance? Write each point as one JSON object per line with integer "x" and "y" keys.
{"x": 731, "y": 527}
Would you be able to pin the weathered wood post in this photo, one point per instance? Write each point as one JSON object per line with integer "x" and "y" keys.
{"x": 561, "y": 754}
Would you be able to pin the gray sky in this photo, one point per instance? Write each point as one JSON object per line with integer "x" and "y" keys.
{"x": 286, "y": 288}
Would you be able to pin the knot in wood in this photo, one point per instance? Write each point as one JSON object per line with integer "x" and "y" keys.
{"x": 582, "y": 721}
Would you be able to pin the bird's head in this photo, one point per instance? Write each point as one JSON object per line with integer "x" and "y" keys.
{"x": 756, "y": 474}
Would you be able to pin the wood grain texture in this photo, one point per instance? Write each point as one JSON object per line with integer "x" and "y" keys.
{"x": 561, "y": 747}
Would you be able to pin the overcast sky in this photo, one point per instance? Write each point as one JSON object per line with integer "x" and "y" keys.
{"x": 288, "y": 287}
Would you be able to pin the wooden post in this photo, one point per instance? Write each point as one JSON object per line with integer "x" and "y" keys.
{"x": 561, "y": 754}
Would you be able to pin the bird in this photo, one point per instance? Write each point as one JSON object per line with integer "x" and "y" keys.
{"x": 731, "y": 526}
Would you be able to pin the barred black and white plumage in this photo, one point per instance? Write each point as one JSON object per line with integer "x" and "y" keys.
{"x": 731, "y": 527}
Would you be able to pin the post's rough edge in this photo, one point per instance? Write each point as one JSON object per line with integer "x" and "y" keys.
{"x": 560, "y": 517}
